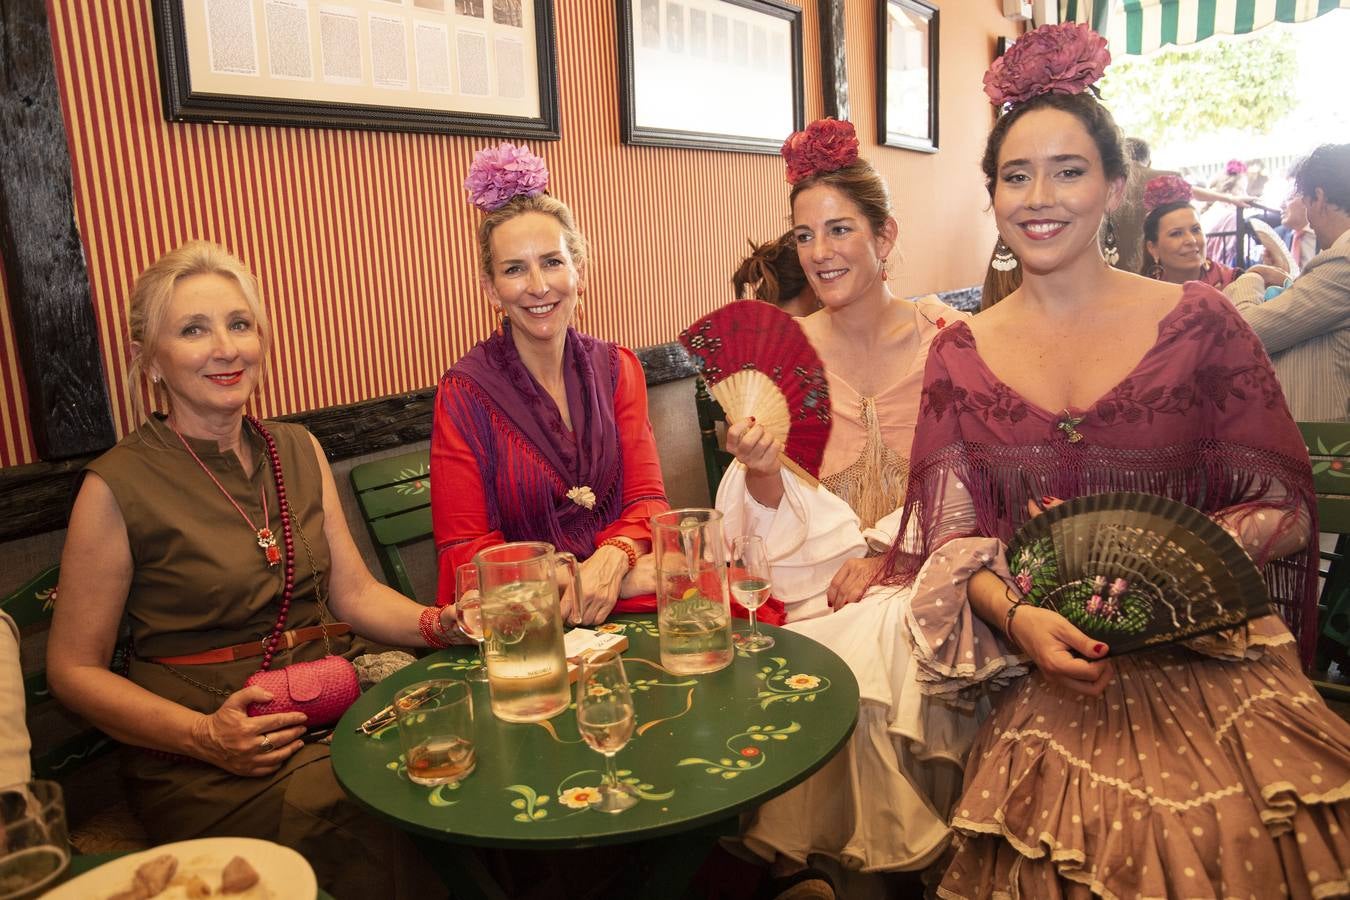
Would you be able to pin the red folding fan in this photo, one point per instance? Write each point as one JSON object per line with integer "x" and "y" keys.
{"x": 758, "y": 362}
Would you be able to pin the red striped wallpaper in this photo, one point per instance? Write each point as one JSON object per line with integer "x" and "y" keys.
{"x": 364, "y": 244}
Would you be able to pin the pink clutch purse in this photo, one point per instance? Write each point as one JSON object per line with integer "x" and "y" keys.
{"x": 321, "y": 689}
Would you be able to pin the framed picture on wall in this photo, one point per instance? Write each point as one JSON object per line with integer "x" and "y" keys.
{"x": 713, "y": 74}
{"x": 907, "y": 74}
{"x": 481, "y": 67}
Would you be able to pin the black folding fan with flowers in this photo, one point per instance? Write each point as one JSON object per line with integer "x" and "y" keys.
{"x": 1136, "y": 570}
{"x": 757, "y": 362}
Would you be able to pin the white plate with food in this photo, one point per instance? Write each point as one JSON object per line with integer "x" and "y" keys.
{"x": 206, "y": 867}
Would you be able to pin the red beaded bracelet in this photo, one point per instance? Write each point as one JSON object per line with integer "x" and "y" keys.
{"x": 623, "y": 545}
{"x": 431, "y": 629}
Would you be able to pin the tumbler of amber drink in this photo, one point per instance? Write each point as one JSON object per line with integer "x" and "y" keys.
{"x": 435, "y": 726}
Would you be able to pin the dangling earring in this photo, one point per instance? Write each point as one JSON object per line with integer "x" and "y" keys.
{"x": 1003, "y": 260}
{"x": 885, "y": 273}
{"x": 1111, "y": 252}
{"x": 155, "y": 379}
{"x": 1155, "y": 271}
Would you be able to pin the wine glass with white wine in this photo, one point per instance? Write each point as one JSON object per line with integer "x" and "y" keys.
{"x": 605, "y": 719}
{"x": 750, "y": 586}
{"x": 469, "y": 609}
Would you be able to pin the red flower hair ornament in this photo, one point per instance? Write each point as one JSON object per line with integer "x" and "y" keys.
{"x": 825, "y": 145}
{"x": 1166, "y": 189}
{"x": 1054, "y": 59}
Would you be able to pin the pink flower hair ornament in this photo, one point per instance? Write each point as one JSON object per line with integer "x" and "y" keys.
{"x": 1054, "y": 59}
{"x": 824, "y": 146}
{"x": 500, "y": 174}
{"x": 1235, "y": 167}
{"x": 1166, "y": 189}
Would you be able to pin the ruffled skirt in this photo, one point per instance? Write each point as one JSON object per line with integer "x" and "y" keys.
{"x": 882, "y": 802}
{"x": 1191, "y": 777}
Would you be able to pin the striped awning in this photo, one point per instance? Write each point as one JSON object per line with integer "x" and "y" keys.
{"x": 1138, "y": 27}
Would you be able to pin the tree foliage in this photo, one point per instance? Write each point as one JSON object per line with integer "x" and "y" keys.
{"x": 1218, "y": 85}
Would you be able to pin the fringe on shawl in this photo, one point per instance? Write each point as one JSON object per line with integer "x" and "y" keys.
{"x": 523, "y": 491}
{"x": 1211, "y": 475}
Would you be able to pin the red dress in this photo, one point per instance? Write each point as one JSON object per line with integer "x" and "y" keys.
{"x": 470, "y": 512}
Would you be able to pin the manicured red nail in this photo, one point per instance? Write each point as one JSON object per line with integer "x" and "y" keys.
{"x": 1046, "y": 499}
{"x": 1098, "y": 648}
{"x": 752, "y": 420}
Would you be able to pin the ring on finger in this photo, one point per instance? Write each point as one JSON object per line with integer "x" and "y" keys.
{"x": 267, "y": 743}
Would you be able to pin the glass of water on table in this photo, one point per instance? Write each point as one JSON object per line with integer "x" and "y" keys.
{"x": 435, "y": 727}
{"x": 34, "y": 844}
{"x": 750, "y": 586}
{"x": 605, "y": 719}
{"x": 469, "y": 612}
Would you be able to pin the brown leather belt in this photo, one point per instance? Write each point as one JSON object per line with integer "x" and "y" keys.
{"x": 286, "y": 640}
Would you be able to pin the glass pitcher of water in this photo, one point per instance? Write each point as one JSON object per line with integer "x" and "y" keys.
{"x": 523, "y": 629}
{"x": 693, "y": 610}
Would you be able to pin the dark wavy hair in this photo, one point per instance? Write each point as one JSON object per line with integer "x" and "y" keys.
{"x": 1086, "y": 108}
{"x": 771, "y": 272}
{"x": 1328, "y": 168}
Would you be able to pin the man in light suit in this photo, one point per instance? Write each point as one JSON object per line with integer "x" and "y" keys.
{"x": 1306, "y": 328}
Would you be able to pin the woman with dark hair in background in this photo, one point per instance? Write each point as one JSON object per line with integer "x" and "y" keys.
{"x": 772, "y": 272}
{"x": 1174, "y": 242}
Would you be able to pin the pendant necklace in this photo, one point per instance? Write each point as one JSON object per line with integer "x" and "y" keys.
{"x": 266, "y": 539}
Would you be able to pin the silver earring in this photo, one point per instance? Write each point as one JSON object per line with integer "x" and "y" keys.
{"x": 155, "y": 379}
{"x": 1004, "y": 260}
{"x": 1110, "y": 251}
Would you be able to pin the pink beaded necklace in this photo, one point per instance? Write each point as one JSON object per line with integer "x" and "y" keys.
{"x": 266, "y": 539}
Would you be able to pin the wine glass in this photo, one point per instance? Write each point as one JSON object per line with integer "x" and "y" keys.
{"x": 469, "y": 607}
{"x": 605, "y": 719}
{"x": 750, "y": 586}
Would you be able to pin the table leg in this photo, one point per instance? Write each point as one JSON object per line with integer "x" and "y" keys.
{"x": 671, "y": 862}
{"x": 461, "y": 870}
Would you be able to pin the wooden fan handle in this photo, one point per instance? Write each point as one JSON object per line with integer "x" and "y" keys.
{"x": 811, "y": 480}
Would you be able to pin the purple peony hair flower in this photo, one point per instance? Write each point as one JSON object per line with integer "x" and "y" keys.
{"x": 1235, "y": 167}
{"x": 1165, "y": 189}
{"x": 1053, "y": 59}
{"x": 499, "y": 174}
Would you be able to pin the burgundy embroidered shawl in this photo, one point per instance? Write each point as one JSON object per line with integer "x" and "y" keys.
{"x": 1200, "y": 419}
{"x": 527, "y": 458}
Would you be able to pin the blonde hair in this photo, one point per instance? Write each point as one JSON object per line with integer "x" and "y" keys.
{"x": 517, "y": 206}
{"x": 153, "y": 291}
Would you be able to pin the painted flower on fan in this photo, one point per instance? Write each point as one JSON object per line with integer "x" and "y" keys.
{"x": 578, "y": 797}
{"x": 502, "y": 173}
{"x": 801, "y": 682}
{"x": 824, "y": 146}
{"x": 1023, "y": 579}
{"x": 1166, "y": 189}
{"x": 1054, "y": 59}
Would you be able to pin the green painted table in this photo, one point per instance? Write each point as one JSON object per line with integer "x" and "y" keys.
{"x": 705, "y": 748}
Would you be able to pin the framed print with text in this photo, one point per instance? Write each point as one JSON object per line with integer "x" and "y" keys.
{"x": 712, "y": 74}
{"x": 907, "y": 74}
{"x": 479, "y": 67}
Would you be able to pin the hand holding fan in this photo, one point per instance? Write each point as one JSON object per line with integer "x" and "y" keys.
{"x": 758, "y": 362}
{"x": 1136, "y": 570}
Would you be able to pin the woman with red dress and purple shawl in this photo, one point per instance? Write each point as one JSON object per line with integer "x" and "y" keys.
{"x": 541, "y": 432}
{"x": 1204, "y": 769}
{"x": 1174, "y": 241}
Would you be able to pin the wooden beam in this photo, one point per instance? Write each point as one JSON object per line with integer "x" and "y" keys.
{"x": 48, "y": 286}
{"x": 833, "y": 65}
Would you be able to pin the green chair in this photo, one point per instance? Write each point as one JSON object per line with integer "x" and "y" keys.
{"x": 715, "y": 459}
{"x": 395, "y": 498}
{"x": 65, "y": 747}
{"x": 1329, "y": 447}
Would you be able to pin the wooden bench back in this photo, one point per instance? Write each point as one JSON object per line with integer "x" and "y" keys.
{"x": 1329, "y": 448}
{"x": 394, "y": 494}
{"x": 715, "y": 459}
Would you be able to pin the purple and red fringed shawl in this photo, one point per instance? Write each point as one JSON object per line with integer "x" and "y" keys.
{"x": 526, "y": 455}
{"x": 1200, "y": 419}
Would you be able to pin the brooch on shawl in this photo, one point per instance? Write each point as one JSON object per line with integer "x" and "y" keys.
{"x": 582, "y": 495}
{"x": 1069, "y": 425}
